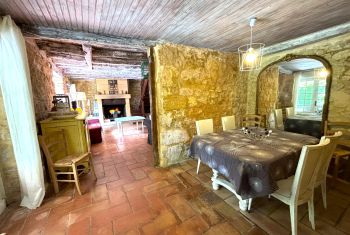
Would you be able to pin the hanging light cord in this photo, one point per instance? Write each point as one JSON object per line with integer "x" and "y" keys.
{"x": 251, "y": 35}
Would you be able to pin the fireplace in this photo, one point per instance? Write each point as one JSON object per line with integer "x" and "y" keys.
{"x": 109, "y": 104}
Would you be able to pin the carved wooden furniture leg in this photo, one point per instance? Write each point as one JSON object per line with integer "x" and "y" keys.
{"x": 244, "y": 204}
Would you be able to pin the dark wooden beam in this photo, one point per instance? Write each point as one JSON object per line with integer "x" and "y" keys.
{"x": 96, "y": 40}
{"x": 307, "y": 39}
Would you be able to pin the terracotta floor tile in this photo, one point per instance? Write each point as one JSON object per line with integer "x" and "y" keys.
{"x": 156, "y": 201}
{"x": 222, "y": 229}
{"x": 172, "y": 189}
{"x": 155, "y": 186}
{"x": 138, "y": 173}
{"x": 133, "y": 220}
{"x": 80, "y": 228}
{"x": 81, "y": 214}
{"x": 117, "y": 196}
{"x": 101, "y": 218}
{"x": 138, "y": 203}
{"x": 35, "y": 223}
{"x": 160, "y": 223}
{"x": 208, "y": 214}
{"x": 181, "y": 207}
{"x": 138, "y": 184}
{"x": 192, "y": 226}
{"x": 118, "y": 183}
{"x": 107, "y": 229}
{"x": 100, "y": 193}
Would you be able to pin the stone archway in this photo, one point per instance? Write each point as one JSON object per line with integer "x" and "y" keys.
{"x": 269, "y": 71}
{"x": 273, "y": 59}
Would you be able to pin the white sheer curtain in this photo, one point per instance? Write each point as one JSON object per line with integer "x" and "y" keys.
{"x": 18, "y": 102}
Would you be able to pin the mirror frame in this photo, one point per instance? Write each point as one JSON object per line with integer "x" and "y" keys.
{"x": 290, "y": 57}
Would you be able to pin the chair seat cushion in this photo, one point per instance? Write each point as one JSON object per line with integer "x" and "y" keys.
{"x": 94, "y": 126}
{"x": 285, "y": 187}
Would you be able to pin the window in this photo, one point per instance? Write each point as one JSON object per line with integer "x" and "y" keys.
{"x": 310, "y": 93}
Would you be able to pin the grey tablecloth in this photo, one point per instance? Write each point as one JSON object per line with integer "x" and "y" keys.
{"x": 252, "y": 166}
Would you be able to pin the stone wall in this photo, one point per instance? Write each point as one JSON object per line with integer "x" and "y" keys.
{"x": 267, "y": 90}
{"x": 285, "y": 90}
{"x": 41, "y": 78}
{"x": 8, "y": 166}
{"x": 192, "y": 84}
{"x": 135, "y": 92}
{"x": 87, "y": 86}
{"x": 336, "y": 51}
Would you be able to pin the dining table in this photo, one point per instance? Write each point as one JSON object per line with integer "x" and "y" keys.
{"x": 251, "y": 165}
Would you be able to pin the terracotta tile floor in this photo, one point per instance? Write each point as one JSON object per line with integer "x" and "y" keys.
{"x": 130, "y": 196}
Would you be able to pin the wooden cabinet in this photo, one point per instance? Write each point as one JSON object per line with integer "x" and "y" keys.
{"x": 76, "y": 135}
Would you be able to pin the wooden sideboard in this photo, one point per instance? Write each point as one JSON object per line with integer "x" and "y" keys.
{"x": 77, "y": 139}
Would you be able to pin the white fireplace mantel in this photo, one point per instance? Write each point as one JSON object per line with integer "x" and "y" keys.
{"x": 116, "y": 96}
{"x": 99, "y": 99}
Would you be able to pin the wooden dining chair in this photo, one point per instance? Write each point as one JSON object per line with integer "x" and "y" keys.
{"x": 203, "y": 127}
{"x": 321, "y": 179}
{"x": 228, "y": 122}
{"x": 278, "y": 115}
{"x": 342, "y": 150}
{"x": 290, "y": 112}
{"x": 299, "y": 189}
{"x": 251, "y": 120}
{"x": 61, "y": 165}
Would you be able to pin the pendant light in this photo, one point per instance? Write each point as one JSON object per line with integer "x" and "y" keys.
{"x": 250, "y": 55}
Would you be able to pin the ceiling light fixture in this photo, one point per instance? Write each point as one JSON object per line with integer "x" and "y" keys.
{"x": 250, "y": 55}
{"x": 321, "y": 73}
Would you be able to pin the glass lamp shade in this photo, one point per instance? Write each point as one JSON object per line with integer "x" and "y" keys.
{"x": 250, "y": 56}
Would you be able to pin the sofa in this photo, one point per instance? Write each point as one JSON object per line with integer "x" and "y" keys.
{"x": 95, "y": 130}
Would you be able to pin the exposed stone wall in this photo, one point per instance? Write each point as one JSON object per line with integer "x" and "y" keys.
{"x": 87, "y": 86}
{"x": 192, "y": 84}
{"x": 268, "y": 90}
{"x": 336, "y": 51}
{"x": 42, "y": 84}
{"x": 135, "y": 92}
{"x": 8, "y": 166}
{"x": 285, "y": 90}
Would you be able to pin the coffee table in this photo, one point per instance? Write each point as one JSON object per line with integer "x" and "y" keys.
{"x": 137, "y": 119}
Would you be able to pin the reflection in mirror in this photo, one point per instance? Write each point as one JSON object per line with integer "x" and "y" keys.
{"x": 307, "y": 93}
{"x": 298, "y": 89}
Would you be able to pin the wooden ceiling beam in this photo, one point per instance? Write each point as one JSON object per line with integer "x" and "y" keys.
{"x": 96, "y": 40}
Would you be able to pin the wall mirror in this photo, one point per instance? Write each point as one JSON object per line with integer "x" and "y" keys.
{"x": 299, "y": 86}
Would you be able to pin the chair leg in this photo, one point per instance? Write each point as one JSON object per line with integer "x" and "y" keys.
{"x": 324, "y": 193}
{"x": 54, "y": 179}
{"x": 199, "y": 162}
{"x": 250, "y": 200}
{"x": 311, "y": 209}
{"x": 294, "y": 218}
{"x": 92, "y": 167}
{"x": 335, "y": 173}
{"x": 76, "y": 178}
